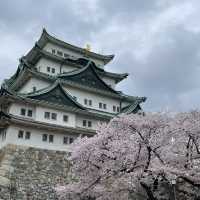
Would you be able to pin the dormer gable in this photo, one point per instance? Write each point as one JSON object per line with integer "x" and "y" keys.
{"x": 55, "y": 94}
{"x": 87, "y": 76}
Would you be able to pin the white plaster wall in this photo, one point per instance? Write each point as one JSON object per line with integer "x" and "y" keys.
{"x": 36, "y": 138}
{"x": 40, "y": 117}
{"x": 96, "y": 99}
{"x": 48, "y": 47}
{"x": 38, "y": 114}
{"x": 15, "y": 109}
{"x": 79, "y": 122}
{"x": 43, "y": 63}
{"x": 33, "y": 82}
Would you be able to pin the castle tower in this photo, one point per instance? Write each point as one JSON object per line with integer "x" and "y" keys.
{"x": 58, "y": 93}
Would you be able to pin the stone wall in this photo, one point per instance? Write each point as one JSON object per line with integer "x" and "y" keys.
{"x": 27, "y": 173}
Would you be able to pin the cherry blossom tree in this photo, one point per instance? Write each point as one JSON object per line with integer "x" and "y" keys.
{"x": 155, "y": 156}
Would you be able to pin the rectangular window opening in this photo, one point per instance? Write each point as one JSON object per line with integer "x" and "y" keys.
{"x": 85, "y": 101}
{"x": 53, "y": 51}
{"x": 44, "y": 137}
{"x": 34, "y": 89}
{"x": 28, "y": 135}
{"x": 48, "y": 69}
{"x": 65, "y": 118}
{"x": 90, "y": 102}
{"x": 100, "y": 105}
{"x": 89, "y": 124}
{"x": 30, "y": 113}
{"x": 54, "y": 116}
{"x": 51, "y": 138}
{"x": 23, "y": 111}
{"x": 71, "y": 140}
{"x": 84, "y": 123}
{"x": 65, "y": 140}
{"x": 20, "y": 134}
{"x": 53, "y": 70}
{"x": 47, "y": 115}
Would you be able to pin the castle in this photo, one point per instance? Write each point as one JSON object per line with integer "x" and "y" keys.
{"x": 58, "y": 93}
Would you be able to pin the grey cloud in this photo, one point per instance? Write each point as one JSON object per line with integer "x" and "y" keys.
{"x": 168, "y": 69}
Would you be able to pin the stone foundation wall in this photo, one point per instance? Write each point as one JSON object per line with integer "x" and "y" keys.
{"x": 28, "y": 173}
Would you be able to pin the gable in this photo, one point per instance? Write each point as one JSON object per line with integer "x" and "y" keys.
{"x": 55, "y": 95}
{"x": 87, "y": 77}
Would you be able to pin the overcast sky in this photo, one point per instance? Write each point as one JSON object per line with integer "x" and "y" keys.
{"x": 156, "y": 41}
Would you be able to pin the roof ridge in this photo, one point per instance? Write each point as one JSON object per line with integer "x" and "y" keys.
{"x": 105, "y": 58}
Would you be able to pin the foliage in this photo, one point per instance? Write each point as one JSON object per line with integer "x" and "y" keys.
{"x": 137, "y": 157}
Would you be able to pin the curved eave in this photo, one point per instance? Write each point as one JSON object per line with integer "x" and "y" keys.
{"x": 37, "y": 53}
{"x": 134, "y": 106}
{"x": 48, "y": 90}
{"x": 46, "y": 37}
{"x": 117, "y": 77}
{"x": 89, "y": 68}
{"x": 86, "y": 112}
{"x": 25, "y": 74}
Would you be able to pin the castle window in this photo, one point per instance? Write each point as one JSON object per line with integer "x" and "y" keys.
{"x": 89, "y": 124}
{"x": 51, "y": 138}
{"x": 104, "y": 106}
{"x": 71, "y": 140}
{"x": 114, "y": 108}
{"x": 20, "y": 134}
{"x": 100, "y": 105}
{"x": 28, "y": 135}
{"x": 53, "y": 70}
{"x": 48, "y": 69}
{"x": 30, "y": 113}
{"x": 118, "y": 109}
{"x": 85, "y": 101}
{"x": 65, "y": 140}
{"x": 90, "y": 102}
{"x": 47, "y": 115}
{"x": 44, "y": 137}
{"x": 34, "y": 89}
{"x": 84, "y": 123}
{"x": 60, "y": 53}
{"x": 65, "y": 118}
{"x": 53, "y": 116}
{"x": 53, "y": 51}
{"x": 23, "y": 111}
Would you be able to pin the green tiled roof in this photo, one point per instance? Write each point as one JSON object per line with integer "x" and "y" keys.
{"x": 46, "y": 97}
{"x": 134, "y": 106}
{"x": 87, "y": 76}
{"x": 55, "y": 94}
